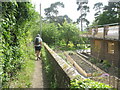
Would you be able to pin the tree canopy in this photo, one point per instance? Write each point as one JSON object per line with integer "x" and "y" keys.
{"x": 110, "y": 14}
{"x": 84, "y": 9}
{"x": 16, "y": 17}
{"x": 52, "y": 13}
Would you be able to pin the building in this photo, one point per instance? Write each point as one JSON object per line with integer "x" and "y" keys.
{"x": 105, "y": 43}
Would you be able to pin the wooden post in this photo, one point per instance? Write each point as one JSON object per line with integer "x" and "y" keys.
{"x": 40, "y": 22}
{"x": 118, "y": 82}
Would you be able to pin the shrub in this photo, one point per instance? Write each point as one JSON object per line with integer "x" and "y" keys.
{"x": 87, "y": 83}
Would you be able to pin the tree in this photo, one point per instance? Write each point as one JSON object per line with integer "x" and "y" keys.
{"x": 69, "y": 33}
{"x": 98, "y": 8}
{"x": 84, "y": 9}
{"x": 35, "y": 24}
{"x": 52, "y": 11}
{"x": 50, "y": 33}
{"x": 62, "y": 19}
{"x": 106, "y": 18}
{"x": 110, "y": 14}
{"x": 52, "y": 14}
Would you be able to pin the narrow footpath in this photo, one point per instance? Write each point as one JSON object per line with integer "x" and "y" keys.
{"x": 39, "y": 78}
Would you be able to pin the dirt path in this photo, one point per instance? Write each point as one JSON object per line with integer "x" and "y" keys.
{"x": 39, "y": 79}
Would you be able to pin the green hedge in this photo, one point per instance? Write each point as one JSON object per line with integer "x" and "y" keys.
{"x": 15, "y": 37}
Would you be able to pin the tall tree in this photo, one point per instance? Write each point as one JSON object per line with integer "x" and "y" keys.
{"x": 98, "y": 8}
{"x": 110, "y": 14}
{"x": 52, "y": 12}
{"x": 84, "y": 9}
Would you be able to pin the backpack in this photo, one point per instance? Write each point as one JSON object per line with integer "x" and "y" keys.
{"x": 37, "y": 41}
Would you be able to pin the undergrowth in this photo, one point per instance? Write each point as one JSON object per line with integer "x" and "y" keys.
{"x": 87, "y": 83}
{"x": 23, "y": 78}
{"x": 47, "y": 66}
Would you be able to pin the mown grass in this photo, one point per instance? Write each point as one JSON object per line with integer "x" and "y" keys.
{"x": 23, "y": 78}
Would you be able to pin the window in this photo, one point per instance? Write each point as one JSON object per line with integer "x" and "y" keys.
{"x": 97, "y": 45}
{"x": 111, "y": 47}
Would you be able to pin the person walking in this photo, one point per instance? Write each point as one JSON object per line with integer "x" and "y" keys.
{"x": 38, "y": 46}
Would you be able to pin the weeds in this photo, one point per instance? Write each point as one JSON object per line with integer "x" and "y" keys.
{"x": 47, "y": 66}
{"x": 23, "y": 77}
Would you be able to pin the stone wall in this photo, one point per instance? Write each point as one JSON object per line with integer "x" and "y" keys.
{"x": 63, "y": 72}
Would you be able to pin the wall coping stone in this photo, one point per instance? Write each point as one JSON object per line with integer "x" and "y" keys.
{"x": 69, "y": 70}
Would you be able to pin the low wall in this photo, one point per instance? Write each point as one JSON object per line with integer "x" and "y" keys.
{"x": 63, "y": 72}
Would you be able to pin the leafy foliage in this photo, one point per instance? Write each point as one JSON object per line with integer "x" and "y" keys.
{"x": 34, "y": 25}
{"x": 47, "y": 65}
{"x": 87, "y": 83}
{"x": 52, "y": 11}
{"x": 15, "y": 33}
{"x": 84, "y": 9}
{"x": 50, "y": 33}
{"x": 69, "y": 33}
{"x": 52, "y": 14}
{"x": 62, "y": 19}
{"x": 61, "y": 34}
{"x": 98, "y": 7}
{"x": 110, "y": 14}
{"x": 23, "y": 77}
{"x": 59, "y": 30}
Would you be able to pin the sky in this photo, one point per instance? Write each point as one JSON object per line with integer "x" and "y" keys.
{"x": 70, "y": 8}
